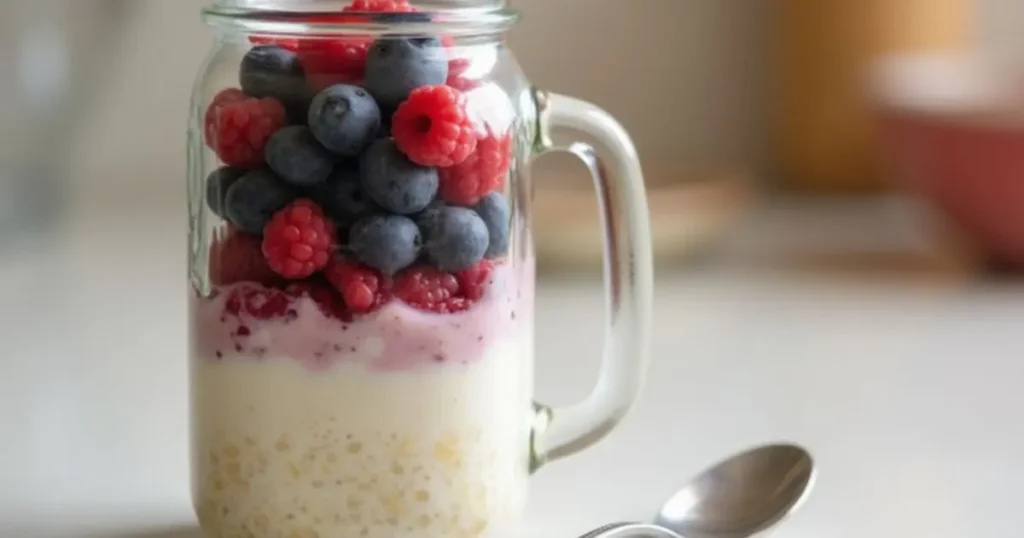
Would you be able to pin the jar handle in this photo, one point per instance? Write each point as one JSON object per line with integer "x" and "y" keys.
{"x": 628, "y": 273}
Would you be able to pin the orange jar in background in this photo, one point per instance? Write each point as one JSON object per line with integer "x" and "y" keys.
{"x": 823, "y": 131}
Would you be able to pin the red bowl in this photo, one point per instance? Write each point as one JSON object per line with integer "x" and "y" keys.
{"x": 953, "y": 131}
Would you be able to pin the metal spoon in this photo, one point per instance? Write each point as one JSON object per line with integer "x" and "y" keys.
{"x": 736, "y": 498}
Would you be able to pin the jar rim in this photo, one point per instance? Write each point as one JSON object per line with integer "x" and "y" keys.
{"x": 461, "y": 22}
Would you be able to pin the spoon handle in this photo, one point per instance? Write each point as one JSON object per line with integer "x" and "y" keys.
{"x": 625, "y": 529}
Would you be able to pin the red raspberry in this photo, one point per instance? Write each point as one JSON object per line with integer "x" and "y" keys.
{"x": 238, "y": 127}
{"x": 334, "y": 61}
{"x": 257, "y": 301}
{"x": 236, "y": 256}
{"x": 432, "y": 290}
{"x": 427, "y": 288}
{"x": 431, "y": 127}
{"x": 322, "y": 293}
{"x": 381, "y": 6}
{"x": 363, "y": 288}
{"x": 457, "y": 65}
{"x": 462, "y": 83}
{"x": 298, "y": 240}
{"x": 473, "y": 282}
{"x": 481, "y": 173}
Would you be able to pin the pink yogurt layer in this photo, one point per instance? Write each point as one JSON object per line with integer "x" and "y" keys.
{"x": 396, "y": 337}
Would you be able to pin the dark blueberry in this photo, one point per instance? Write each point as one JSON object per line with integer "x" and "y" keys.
{"x": 393, "y": 181}
{"x": 455, "y": 238}
{"x": 494, "y": 211}
{"x": 217, "y": 185}
{"x": 345, "y": 119}
{"x": 254, "y": 198}
{"x": 388, "y": 243}
{"x": 342, "y": 196}
{"x": 273, "y": 71}
{"x": 396, "y": 67}
{"x": 295, "y": 155}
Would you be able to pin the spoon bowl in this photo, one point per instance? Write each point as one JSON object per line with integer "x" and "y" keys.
{"x": 742, "y": 495}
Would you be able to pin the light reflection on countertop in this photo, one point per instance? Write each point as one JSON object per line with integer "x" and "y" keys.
{"x": 892, "y": 360}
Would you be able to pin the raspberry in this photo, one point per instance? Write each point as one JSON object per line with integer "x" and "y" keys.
{"x": 480, "y": 174}
{"x": 322, "y": 293}
{"x": 298, "y": 240}
{"x": 432, "y": 129}
{"x": 362, "y": 288}
{"x": 238, "y": 127}
{"x": 427, "y": 288}
{"x": 237, "y": 257}
{"x": 461, "y": 82}
{"x": 334, "y": 61}
{"x": 432, "y": 290}
{"x": 457, "y": 65}
{"x": 474, "y": 281}
{"x": 381, "y": 6}
{"x": 257, "y": 302}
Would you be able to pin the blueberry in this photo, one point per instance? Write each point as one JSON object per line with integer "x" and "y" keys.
{"x": 395, "y": 182}
{"x": 295, "y": 155}
{"x": 217, "y": 185}
{"x": 494, "y": 211}
{"x": 273, "y": 71}
{"x": 254, "y": 198}
{"x": 342, "y": 196}
{"x": 455, "y": 238}
{"x": 388, "y": 243}
{"x": 345, "y": 119}
{"x": 396, "y": 67}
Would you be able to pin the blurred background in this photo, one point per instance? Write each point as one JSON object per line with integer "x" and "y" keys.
{"x": 837, "y": 195}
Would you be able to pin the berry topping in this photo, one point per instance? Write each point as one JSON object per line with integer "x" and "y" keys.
{"x": 238, "y": 127}
{"x": 393, "y": 181}
{"x": 257, "y": 302}
{"x": 462, "y": 82}
{"x": 342, "y": 196}
{"x": 362, "y": 288}
{"x": 237, "y": 257}
{"x": 298, "y": 158}
{"x": 217, "y": 185}
{"x": 396, "y": 67}
{"x": 334, "y": 61}
{"x": 322, "y": 293}
{"x": 455, "y": 238}
{"x": 273, "y": 71}
{"x": 388, "y": 243}
{"x": 253, "y": 199}
{"x": 345, "y": 119}
{"x": 494, "y": 211}
{"x": 482, "y": 172}
{"x": 428, "y": 289}
{"x": 432, "y": 129}
{"x": 380, "y": 6}
{"x": 473, "y": 282}
{"x": 298, "y": 241}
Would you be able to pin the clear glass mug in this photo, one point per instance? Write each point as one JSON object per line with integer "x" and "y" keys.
{"x": 361, "y": 319}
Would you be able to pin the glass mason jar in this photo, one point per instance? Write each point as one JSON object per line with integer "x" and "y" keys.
{"x": 361, "y": 318}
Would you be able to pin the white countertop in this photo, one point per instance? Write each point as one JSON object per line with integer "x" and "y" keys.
{"x": 894, "y": 365}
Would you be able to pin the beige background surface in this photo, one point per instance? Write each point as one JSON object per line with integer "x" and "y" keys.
{"x": 686, "y": 75}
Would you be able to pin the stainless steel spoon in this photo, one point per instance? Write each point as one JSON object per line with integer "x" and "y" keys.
{"x": 736, "y": 498}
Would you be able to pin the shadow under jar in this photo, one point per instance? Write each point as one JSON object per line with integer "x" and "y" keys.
{"x": 361, "y": 318}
